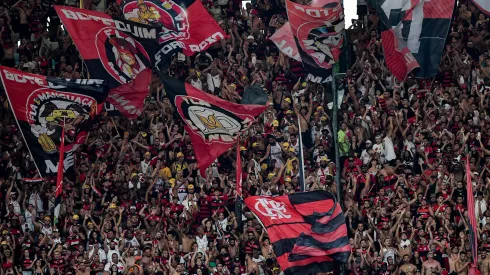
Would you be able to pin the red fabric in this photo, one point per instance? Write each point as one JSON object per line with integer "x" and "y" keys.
{"x": 213, "y": 124}
{"x": 399, "y": 62}
{"x": 90, "y": 31}
{"x": 188, "y": 21}
{"x": 284, "y": 40}
{"x": 307, "y": 230}
{"x": 304, "y": 20}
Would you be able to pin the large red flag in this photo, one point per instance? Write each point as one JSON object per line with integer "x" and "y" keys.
{"x": 41, "y": 105}
{"x": 307, "y": 230}
{"x": 212, "y": 123}
{"x": 471, "y": 213}
{"x": 119, "y": 51}
{"x": 413, "y": 34}
{"x": 186, "y": 21}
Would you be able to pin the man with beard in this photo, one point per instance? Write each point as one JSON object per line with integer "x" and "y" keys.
{"x": 324, "y": 170}
{"x": 484, "y": 263}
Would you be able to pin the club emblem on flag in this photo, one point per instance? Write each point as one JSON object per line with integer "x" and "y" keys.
{"x": 168, "y": 13}
{"x": 122, "y": 56}
{"x": 275, "y": 210}
{"x": 47, "y": 111}
{"x": 210, "y": 122}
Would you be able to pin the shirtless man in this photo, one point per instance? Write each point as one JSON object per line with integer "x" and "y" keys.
{"x": 24, "y": 12}
{"x": 453, "y": 258}
{"x": 252, "y": 267}
{"x": 304, "y": 114}
{"x": 407, "y": 267}
{"x": 431, "y": 266}
{"x": 484, "y": 263}
{"x": 462, "y": 266}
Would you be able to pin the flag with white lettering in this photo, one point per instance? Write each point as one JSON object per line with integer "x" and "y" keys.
{"x": 284, "y": 41}
{"x": 483, "y": 5}
{"x": 319, "y": 35}
{"x": 413, "y": 35}
{"x": 186, "y": 21}
{"x": 42, "y": 105}
{"x": 307, "y": 230}
{"x": 212, "y": 123}
{"x": 119, "y": 51}
{"x": 283, "y": 37}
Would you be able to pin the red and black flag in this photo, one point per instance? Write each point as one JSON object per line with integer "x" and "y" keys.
{"x": 212, "y": 123}
{"x": 46, "y": 108}
{"x": 319, "y": 34}
{"x": 186, "y": 21}
{"x": 307, "y": 230}
{"x": 414, "y": 34}
{"x": 119, "y": 51}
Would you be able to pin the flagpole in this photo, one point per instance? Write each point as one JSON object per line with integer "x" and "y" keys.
{"x": 239, "y": 186}
{"x": 59, "y": 176}
{"x": 302, "y": 184}
{"x": 335, "y": 125}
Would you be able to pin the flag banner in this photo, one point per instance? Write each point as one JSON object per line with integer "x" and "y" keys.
{"x": 483, "y": 5}
{"x": 471, "y": 213}
{"x": 42, "y": 104}
{"x": 307, "y": 230}
{"x": 255, "y": 94}
{"x": 239, "y": 175}
{"x": 33, "y": 180}
{"x": 59, "y": 176}
{"x": 186, "y": 21}
{"x": 283, "y": 37}
{"x": 212, "y": 123}
{"x": 120, "y": 51}
{"x": 284, "y": 41}
{"x": 319, "y": 35}
{"x": 413, "y": 35}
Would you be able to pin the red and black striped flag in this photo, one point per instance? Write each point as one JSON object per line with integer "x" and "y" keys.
{"x": 307, "y": 230}
{"x": 413, "y": 34}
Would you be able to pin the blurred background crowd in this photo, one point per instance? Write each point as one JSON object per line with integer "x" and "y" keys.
{"x": 140, "y": 206}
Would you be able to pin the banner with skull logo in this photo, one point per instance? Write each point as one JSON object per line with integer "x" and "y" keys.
{"x": 42, "y": 105}
{"x": 319, "y": 34}
{"x": 212, "y": 123}
{"x": 120, "y": 51}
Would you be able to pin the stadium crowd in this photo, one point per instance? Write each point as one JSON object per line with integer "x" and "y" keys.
{"x": 138, "y": 204}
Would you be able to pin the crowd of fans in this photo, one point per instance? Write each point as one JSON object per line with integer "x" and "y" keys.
{"x": 138, "y": 204}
